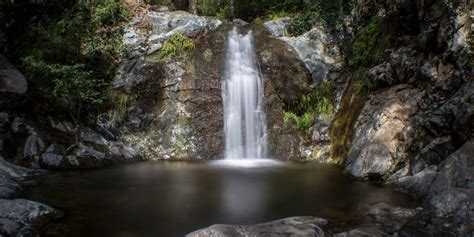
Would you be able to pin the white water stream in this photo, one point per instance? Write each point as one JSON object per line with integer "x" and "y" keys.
{"x": 242, "y": 93}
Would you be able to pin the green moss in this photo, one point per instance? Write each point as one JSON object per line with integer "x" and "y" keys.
{"x": 175, "y": 46}
{"x": 370, "y": 44}
{"x": 342, "y": 128}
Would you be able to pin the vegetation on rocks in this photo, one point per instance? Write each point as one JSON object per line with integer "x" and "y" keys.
{"x": 72, "y": 51}
{"x": 363, "y": 86}
{"x": 175, "y": 46}
{"x": 304, "y": 111}
{"x": 368, "y": 48}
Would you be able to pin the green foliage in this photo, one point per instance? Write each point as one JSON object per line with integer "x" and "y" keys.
{"x": 73, "y": 51}
{"x": 118, "y": 102}
{"x": 302, "y": 23}
{"x": 211, "y": 7}
{"x": 303, "y": 122}
{"x": 223, "y": 12}
{"x": 325, "y": 12}
{"x": 310, "y": 105}
{"x": 175, "y": 46}
{"x": 363, "y": 86}
{"x": 369, "y": 46}
{"x": 72, "y": 85}
{"x": 320, "y": 100}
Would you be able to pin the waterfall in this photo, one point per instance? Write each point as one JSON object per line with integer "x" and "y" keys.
{"x": 242, "y": 93}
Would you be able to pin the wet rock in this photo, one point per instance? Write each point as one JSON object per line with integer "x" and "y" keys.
{"x": 11, "y": 80}
{"x": 363, "y": 231}
{"x": 146, "y": 34}
{"x": 180, "y": 115}
{"x": 34, "y": 146}
{"x": 392, "y": 217}
{"x": 119, "y": 149}
{"x": 417, "y": 185}
{"x": 19, "y": 214}
{"x": 441, "y": 76}
{"x": 455, "y": 116}
{"x": 12, "y": 170}
{"x": 73, "y": 160}
{"x": 8, "y": 188}
{"x": 86, "y": 151}
{"x": 63, "y": 126}
{"x": 91, "y": 136}
{"x": 402, "y": 67}
{"x": 9, "y": 227}
{"x": 52, "y": 160}
{"x": 384, "y": 131}
{"x": 293, "y": 226}
{"x": 8, "y": 173}
{"x": 278, "y": 27}
{"x": 452, "y": 191}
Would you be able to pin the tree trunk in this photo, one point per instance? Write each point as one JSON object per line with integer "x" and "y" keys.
{"x": 193, "y": 6}
{"x": 231, "y": 9}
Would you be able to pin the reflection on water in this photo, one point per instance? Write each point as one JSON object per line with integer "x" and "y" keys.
{"x": 174, "y": 198}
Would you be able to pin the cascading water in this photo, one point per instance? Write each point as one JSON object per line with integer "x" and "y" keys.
{"x": 242, "y": 93}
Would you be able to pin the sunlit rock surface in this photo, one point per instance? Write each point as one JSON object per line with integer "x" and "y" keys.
{"x": 317, "y": 48}
{"x": 384, "y": 131}
{"x": 293, "y": 226}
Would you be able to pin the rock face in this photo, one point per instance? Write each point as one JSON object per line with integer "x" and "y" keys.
{"x": 415, "y": 132}
{"x": 317, "y": 48}
{"x": 293, "y": 226}
{"x": 447, "y": 189}
{"x": 178, "y": 113}
{"x": 17, "y": 216}
{"x": 11, "y": 80}
{"x": 422, "y": 111}
{"x": 51, "y": 144}
{"x": 384, "y": 131}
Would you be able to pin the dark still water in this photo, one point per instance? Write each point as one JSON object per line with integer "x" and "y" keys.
{"x": 175, "y": 198}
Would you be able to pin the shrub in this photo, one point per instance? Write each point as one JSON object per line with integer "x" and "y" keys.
{"x": 326, "y": 12}
{"x": 176, "y": 45}
{"x": 310, "y": 105}
{"x": 369, "y": 45}
{"x": 303, "y": 122}
{"x": 118, "y": 102}
{"x": 73, "y": 86}
{"x": 73, "y": 51}
{"x": 363, "y": 86}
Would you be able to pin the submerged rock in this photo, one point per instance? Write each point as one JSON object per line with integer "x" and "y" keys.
{"x": 294, "y": 226}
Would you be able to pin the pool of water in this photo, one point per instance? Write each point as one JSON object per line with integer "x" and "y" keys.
{"x": 175, "y": 198}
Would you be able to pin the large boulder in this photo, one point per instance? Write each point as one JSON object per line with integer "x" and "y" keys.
{"x": 294, "y": 226}
{"x": 11, "y": 80}
{"x": 384, "y": 132}
{"x": 17, "y": 216}
{"x": 318, "y": 49}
